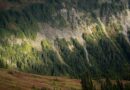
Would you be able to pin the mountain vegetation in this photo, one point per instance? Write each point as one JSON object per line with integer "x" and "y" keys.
{"x": 74, "y": 36}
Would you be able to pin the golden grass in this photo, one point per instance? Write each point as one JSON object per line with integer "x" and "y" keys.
{"x": 15, "y": 80}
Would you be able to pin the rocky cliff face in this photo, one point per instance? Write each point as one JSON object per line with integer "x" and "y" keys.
{"x": 66, "y": 37}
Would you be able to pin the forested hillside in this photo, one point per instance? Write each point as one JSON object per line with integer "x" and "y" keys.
{"x": 66, "y": 37}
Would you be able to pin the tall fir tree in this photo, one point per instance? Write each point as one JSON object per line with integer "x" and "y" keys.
{"x": 120, "y": 85}
{"x": 86, "y": 82}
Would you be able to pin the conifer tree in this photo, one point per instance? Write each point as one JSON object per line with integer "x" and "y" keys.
{"x": 120, "y": 85}
{"x": 107, "y": 85}
{"x": 86, "y": 82}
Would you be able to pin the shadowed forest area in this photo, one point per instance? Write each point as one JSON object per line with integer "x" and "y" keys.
{"x": 88, "y": 36}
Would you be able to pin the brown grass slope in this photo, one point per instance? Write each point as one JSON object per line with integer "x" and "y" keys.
{"x": 14, "y": 80}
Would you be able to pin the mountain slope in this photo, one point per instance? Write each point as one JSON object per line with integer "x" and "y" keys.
{"x": 66, "y": 37}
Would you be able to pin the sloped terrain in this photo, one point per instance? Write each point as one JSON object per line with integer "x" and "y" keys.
{"x": 14, "y": 80}
{"x": 66, "y": 37}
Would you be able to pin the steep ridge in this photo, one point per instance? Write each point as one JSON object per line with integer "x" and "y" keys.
{"x": 66, "y": 37}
